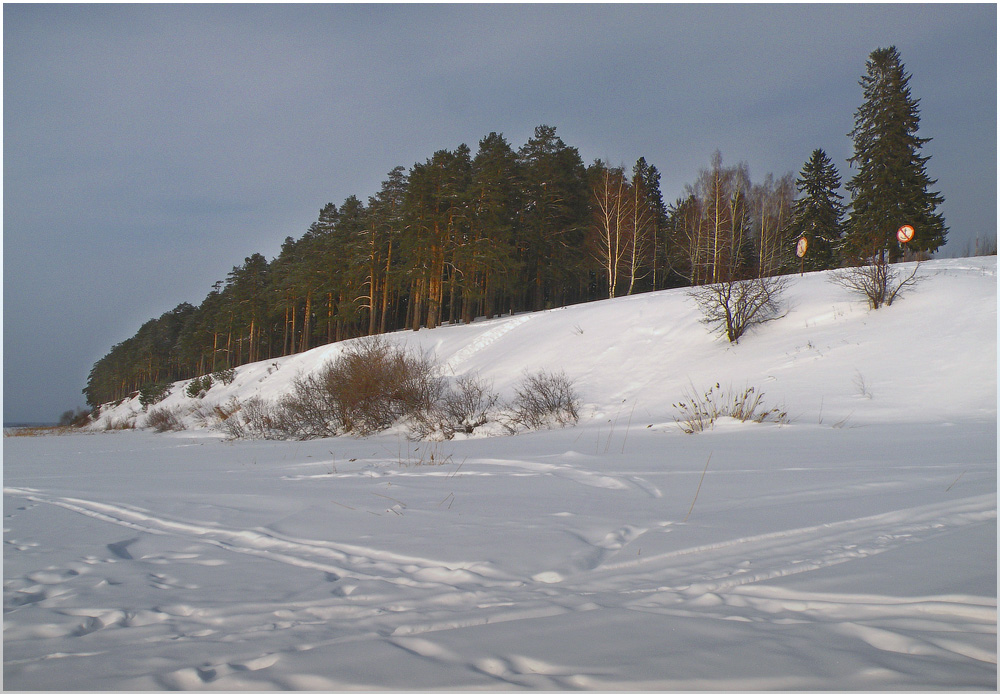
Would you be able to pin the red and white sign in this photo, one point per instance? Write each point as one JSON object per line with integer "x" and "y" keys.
{"x": 801, "y": 247}
{"x": 905, "y": 233}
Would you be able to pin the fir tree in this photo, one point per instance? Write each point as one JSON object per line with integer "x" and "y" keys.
{"x": 891, "y": 187}
{"x": 818, "y": 214}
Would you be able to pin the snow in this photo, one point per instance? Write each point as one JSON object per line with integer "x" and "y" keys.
{"x": 852, "y": 548}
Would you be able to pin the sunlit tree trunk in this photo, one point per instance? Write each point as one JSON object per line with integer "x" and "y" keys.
{"x": 306, "y": 319}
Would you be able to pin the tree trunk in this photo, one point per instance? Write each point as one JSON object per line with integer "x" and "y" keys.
{"x": 306, "y": 318}
{"x": 284, "y": 337}
{"x": 451, "y": 298}
{"x": 385, "y": 291}
{"x": 416, "y": 303}
{"x": 329, "y": 318}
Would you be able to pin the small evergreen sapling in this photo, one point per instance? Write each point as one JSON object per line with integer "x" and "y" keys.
{"x": 152, "y": 393}
{"x": 227, "y": 376}
{"x": 198, "y": 387}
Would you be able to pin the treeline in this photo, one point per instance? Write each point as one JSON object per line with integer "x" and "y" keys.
{"x": 458, "y": 237}
{"x": 462, "y": 236}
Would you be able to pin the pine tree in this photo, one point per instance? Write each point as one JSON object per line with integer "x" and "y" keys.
{"x": 345, "y": 252}
{"x": 891, "y": 187}
{"x": 489, "y": 259}
{"x": 436, "y": 213}
{"x": 247, "y": 290}
{"x": 553, "y": 220}
{"x": 818, "y": 214}
{"x": 315, "y": 272}
{"x": 385, "y": 212}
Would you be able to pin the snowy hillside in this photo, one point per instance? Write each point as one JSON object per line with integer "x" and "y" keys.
{"x": 854, "y": 547}
{"x": 647, "y": 350}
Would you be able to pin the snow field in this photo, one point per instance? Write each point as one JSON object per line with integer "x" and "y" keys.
{"x": 854, "y": 548}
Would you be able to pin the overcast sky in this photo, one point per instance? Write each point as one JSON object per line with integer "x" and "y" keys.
{"x": 150, "y": 148}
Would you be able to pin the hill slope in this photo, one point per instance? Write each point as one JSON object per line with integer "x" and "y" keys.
{"x": 828, "y": 353}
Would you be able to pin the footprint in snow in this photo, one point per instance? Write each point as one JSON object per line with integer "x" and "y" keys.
{"x": 120, "y": 549}
{"x": 91, "y": 625}
{"x": 165, "y": 582}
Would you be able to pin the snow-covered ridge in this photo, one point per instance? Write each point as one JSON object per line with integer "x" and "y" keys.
{"x": 829, "y": 357}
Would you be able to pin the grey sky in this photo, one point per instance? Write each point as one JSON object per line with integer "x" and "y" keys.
{"x": 149, "y": 148}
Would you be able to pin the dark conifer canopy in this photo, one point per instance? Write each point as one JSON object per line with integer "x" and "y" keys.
{"x": 891, "y": 186}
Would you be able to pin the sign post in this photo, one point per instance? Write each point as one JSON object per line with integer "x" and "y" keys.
{"x": 800, "y": 250}
{"x": 905, "y": 234}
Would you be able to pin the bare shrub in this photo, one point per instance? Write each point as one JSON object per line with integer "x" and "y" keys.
{"x": 218, "y": 415}
{"x": 311, "y": 409}
{"x": 735, "y": 306}
{"x": 164, "y": 419}
{"x": 700, "y": 411}
{"x": 462, "y": 408}
{"x": 877, "y": 281}
{"x": 369, "y": 387}
{"x": 544, "y": 400}
{"x": 375, "y": 383}
{"x": 983, "y": 247}
{"x": 258, "y": 419}
{"x": 112, "y": 424}
{"x": 203, "y": 416}
{"x": 253, "y": 419}
{"x": 232, "y": 423}
{"x": 78, "y": 418}
{"x": 430, "y": 424}
{"x": 470, "y": 404}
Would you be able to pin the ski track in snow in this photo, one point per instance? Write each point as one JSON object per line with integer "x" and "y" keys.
{"x": 420, "y": 596}
{"x": 827, "y": 544}
{"x": 485, "y": 340}
{"x": 350, "y": 561}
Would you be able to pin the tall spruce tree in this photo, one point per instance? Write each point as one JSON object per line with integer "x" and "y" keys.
{"x": 818, "y": 213}
{"x": 891, "y": 187}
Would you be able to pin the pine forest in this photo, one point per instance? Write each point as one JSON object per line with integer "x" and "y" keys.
{"x": 465, "y": 235}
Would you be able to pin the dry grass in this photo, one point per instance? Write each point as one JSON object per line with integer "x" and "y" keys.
{"x": 54, "y": 430}
{"x": 700, "y": 411}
